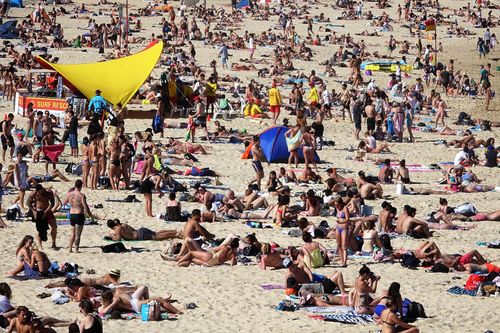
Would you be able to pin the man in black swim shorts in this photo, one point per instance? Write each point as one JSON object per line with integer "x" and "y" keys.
{"x": 256, "y": 161}
{"x": 6, "y": 137}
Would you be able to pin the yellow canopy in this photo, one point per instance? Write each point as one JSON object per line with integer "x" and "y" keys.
{"x": 118, "y": 79}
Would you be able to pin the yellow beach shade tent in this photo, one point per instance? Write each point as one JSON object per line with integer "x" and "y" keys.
{"x": 118, "y": 79}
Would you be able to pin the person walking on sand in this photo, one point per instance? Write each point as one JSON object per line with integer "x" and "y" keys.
{"x": 257, "y": 161}
{"x": 224, "y": 55}
{"x": 79, "y": 207}
{"x": 41, "y": 202}
{"x": 274, "y": 102}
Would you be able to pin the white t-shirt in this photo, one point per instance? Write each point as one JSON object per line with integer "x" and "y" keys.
{"x": 325, "y": 96}
{"x": 4, "y": 304}
{"x": 250, "y": 43}
{"x": 460, "y": 157}
{"x": 371, "y": 142}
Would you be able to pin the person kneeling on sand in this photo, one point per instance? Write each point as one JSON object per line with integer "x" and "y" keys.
{"x": 122, "y": 231}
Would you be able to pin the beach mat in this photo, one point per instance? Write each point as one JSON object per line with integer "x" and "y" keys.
{"x": 272, "y": 286}
{"x": 340, "y": 309}
{"x": 456, "y": 290}
{"x": 351, "y": 318}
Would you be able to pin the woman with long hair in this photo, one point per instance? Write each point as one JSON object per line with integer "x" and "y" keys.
{"x": 342, "y": 232}
{"x": 23, "y": 253}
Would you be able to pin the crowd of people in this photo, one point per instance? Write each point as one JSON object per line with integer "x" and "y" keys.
{"x": 105, "y": 155}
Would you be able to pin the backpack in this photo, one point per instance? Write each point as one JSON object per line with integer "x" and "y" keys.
{"x": 474, "y": 280}
{"x": 12, "y": 214}
{"x": 150, "y": 311}
{"x": 77, "y": 170}
{"x": 412, "y": 311}
{"x": 157, "y": 124}
{"x": 410, "y": 261}
{"x": 104, "y": 182}
{"x": 114, "y": 248}
{"x": 466, "y": 209}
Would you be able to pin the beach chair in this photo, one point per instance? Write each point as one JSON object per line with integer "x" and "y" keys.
{"x": 225, "y": 113}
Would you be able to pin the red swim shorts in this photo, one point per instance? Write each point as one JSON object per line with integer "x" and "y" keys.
{"x": 275, "y": 108}
{"x": 492, "y": 268}
{"x": 465, "y": 259}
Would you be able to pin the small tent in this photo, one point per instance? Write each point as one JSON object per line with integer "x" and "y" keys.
{"x": 242, "y": 4}
{"x": 274, "y": 146}
{"x": 8, "y": 30}
{"x": 16, "y": 3}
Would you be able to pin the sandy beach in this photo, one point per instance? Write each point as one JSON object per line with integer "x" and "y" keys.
{"x": 230, "y": 298}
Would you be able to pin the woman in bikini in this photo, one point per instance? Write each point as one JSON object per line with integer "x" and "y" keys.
{"x": 126, "y": 155}
{"x": 342, "y": 233}
{"x": 85, "y": 161}
{"x": 440, "y": 107}
{"x": 370, "y": 238}
{"x": 93, "y": 159}
{"x": 24, "y": 255}
{"x": 151, "y": 182}
{"x": 231, "y": 212}
{"x": 309, "y": 147}
{"x": 216, "y": 257}
{"x": 366, "y": 284}
{"x": 391, "y": 322}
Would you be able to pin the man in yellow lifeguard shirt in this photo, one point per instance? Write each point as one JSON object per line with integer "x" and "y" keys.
{"x": 313, "y": 98}
{"x": 172, "y": 94}
{"x": 211, "y": 93}
{"x": 274, "y": 102}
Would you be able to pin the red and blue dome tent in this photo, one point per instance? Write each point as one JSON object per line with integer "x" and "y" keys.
{"x": 274, "y": 146}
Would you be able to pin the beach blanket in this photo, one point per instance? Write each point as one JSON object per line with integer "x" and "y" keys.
{"x": 272, "y": 286}
{"x": 461, "y": 291}
{"x": 53, "y": 152}
{"x": 293, "y": 143}
{"x": 347, "y": 318}
{"x": 340, "y": 309}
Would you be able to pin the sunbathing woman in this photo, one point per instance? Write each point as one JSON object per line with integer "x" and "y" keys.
{"x": 342, "y": 230}
{"x": 370, "y": 238}
{"x": 427, "y": 250}
{"x": 314, "y": 254}
{"x": 381, "y": 147}
{"x": 274, "y": 259}
{"x": 313, "y": 205}
{"x": 287, "y": 176}
{"x": 230, "y": 212}
{"x": 332, "y": 173}
{"x": 111, "y": 278}
{"x": 217, "y": 256}
{"x": 177, "y": 147}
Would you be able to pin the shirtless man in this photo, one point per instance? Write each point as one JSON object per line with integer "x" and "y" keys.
{"x": 22, "y": 322}
{"x": 41, "y": 202}
{"x": 257, "y": 161}
{"x": 206, "y": 197}
{"x": 370, "y": 118}
{"x": 301, "y": 274}
{"x": 409, "y": 224}
{"x": 386, "y": 172}
{"x": 111, "y": 278}
{"x": 192, "y": 230}
{"x": 79, "y": 207}
{"x": 126, "y": 232}
{"x": 386, "y": 216}
{"x": 6, "y": 136}
{"x": 231, "y": 199}
{"x": 345, "y": 98}
{"x": 114, "y": 151}
{"x": 371, "y": 191}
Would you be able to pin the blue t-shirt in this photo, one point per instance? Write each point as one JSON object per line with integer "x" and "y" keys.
{"x": 99, "y": 104}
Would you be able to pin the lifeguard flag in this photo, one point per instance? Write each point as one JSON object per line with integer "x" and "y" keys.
{"x": 430, "y": 24}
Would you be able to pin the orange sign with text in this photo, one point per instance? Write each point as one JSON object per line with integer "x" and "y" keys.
{"x": 54, "y": 105}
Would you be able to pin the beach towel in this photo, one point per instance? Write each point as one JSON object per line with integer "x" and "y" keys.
{"x": 347, "y": 318}
{"x": 461, "y": 291}
{"x": 272, "y": 286}
{"x": 340, "y": 309}
{"x": 139, "y": 165}
{"x": 294, "y": 142}
{"x": 53, "y": 152}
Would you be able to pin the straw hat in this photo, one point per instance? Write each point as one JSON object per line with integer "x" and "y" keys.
{"x": 115, "y": 272}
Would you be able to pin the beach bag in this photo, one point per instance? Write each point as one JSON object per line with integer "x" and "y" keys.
{"x": 474, "y": 280}
{"x": 69, "y": 167}
{"x": 410, "y": 261}
{"x": 104, "y": 182}
{"x": 76, "y": 169}
{"x": 412, "y": 311}
{"x": 466, "y": 209}
{"x": 114, "y": 248}
{"x": 12, "y": 213}
{"x": 150, "y": 311}
{"x": 157, "y": 124}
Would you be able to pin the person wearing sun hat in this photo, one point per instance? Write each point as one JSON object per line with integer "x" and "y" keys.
{"x": 274, "y": 102}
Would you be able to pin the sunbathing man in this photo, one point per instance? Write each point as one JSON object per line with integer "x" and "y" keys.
{"x": 301, "y": 274}
{"x": 52, "y": 175}
{"x": 459, "y": 261}
{"x": 371, "y": 191}
{"x": 408, "y": 224}
{"x": 482, "y": 269}
{"x": 232, "y": 213}
{"x": 22, "y": 323}
{"x": 275, "y": 259}
{"x": 111, "y": 278}
{"x": 123, "y": 302}
{"x": 193, "y": 230}
{"x": 124, "y": 231}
